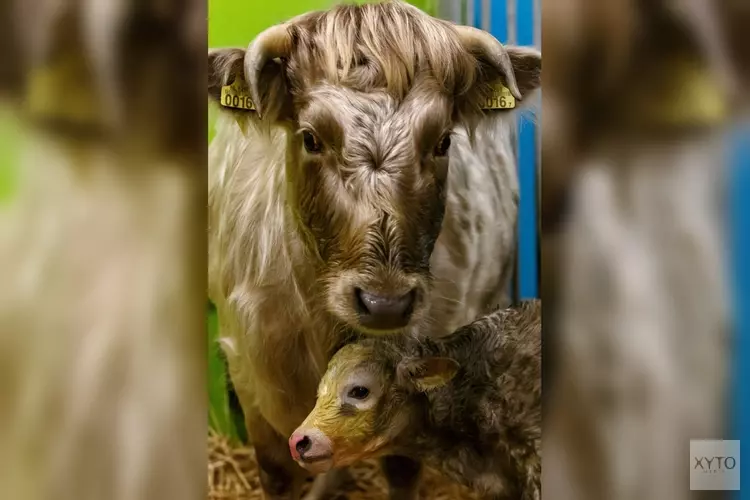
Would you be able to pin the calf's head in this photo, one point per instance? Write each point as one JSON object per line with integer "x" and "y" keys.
{"x": 369, "y": 97}
{"x": 367, "y": 400}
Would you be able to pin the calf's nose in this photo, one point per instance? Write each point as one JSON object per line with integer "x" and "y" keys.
{"x": 384, "y": 312}
{"x": 302, "y": 445}
{"x": 310, "y": 446}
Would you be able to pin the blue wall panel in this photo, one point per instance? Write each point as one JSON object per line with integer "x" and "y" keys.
{"x": 739, "y": 236}
{"x": 527, "y": 163}
{"x": 499, "y": 19}
{"x": 478, "y": 14}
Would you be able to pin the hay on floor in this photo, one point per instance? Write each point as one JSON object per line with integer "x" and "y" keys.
{"x": 233, "y": 475}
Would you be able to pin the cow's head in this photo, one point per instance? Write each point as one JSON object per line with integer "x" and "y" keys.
{"x": 369, "y": 96}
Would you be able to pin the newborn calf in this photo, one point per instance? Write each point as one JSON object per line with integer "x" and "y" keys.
{"x": 468, "y": 404}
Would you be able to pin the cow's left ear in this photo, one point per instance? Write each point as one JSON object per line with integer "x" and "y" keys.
{"x": 527, "y": 68}
{"x": 426, "y": 374}
{"x": 516, "y": 68}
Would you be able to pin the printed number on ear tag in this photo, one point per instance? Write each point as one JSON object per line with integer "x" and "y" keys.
{"x": 236, "y": 96}
{"x": 501, "y": 98}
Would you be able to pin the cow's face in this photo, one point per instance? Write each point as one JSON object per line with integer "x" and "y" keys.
{"x": 369, "y": 97}
{"x": 368, "y": 175}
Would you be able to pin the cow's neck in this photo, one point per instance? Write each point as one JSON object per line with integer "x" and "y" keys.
{"x": 264, "y": 277}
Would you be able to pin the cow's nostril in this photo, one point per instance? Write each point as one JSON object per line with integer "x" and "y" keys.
{"x": 384, "y": 312}
{"x": 361, "y": 305}
{"x": 303, "y": 445}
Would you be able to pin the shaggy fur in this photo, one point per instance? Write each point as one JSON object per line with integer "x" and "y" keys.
{"x": 293, "y": 232}
{"x": 468, "y": 404}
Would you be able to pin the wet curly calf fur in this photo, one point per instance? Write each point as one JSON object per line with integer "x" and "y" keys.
{"x": 468, "y": 404}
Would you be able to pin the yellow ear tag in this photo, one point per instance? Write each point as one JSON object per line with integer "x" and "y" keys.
{"x": 501, "y": 98}
{"x": 693, "y": 98}
{"x": 236, "y": 96}
{"x": 56, "y": 91}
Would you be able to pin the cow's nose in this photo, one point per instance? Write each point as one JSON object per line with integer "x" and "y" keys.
{"x": 384, "y": 312}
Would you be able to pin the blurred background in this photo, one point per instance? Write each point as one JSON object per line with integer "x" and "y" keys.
{"x": 102, "y": 250}
{"x": 644, "y": 244}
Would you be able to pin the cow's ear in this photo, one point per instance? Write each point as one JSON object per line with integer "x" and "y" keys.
{"x": 527, "y": 68}
{"x": 224, "y": 67}
{"x": 508, "y": 73}
{"x": 249, "y": 81}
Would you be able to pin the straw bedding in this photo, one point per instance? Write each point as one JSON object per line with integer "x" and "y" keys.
{"x": 233, "y": 475}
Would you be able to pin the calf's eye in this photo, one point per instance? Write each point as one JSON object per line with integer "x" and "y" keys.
{"x": 312, "y": 144}
{"x": 443, "y": 146}
{"x": 359, "y": 392}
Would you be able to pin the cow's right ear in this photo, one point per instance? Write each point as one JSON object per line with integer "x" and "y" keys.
{"x": 262, "y": 92}
{"x": 224, "y": 67}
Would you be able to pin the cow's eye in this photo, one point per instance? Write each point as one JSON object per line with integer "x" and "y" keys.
{"x": 359, "y": 392}
{"x": 312, "y": 144}
{"x": 443, "y": 146}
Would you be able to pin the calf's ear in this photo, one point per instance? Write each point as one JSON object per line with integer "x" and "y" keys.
{"x": 428, "y": 373}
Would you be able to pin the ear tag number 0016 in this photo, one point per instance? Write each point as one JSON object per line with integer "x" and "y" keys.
{"x": 236, "y": 96}
{"x": 501, "y": 98}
